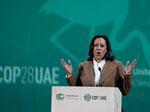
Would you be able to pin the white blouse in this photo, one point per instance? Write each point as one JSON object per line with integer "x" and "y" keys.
{"x": 98, "y": 67}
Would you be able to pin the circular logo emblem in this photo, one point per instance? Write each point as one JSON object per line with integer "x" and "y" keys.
{"x": 87, "y": 97}
{"x": 59, "y": 96}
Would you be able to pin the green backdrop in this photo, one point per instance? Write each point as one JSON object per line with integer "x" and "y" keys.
{"x": 36, "y": 34}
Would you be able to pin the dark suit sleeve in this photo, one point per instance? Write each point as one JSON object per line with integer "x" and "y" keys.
{"x": 71, "y": 80}
{"x": 75, "y": 82}
{"x": 124, "y": 82}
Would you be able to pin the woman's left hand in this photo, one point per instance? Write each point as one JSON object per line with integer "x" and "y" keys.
{"x": 130, "y": 67}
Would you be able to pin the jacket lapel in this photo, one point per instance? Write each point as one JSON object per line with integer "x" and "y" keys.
{"x": 106, "y": 72}
{"x": 89, "y": 72}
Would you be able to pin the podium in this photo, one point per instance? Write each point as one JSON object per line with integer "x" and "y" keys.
{"x": 85, "y": 99}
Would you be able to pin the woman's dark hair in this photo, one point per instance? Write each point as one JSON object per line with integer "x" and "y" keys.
{"x": 108, "y": 55}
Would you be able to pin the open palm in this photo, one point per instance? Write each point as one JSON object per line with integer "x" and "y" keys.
{"x": 130, "y": 67}
{"x": 67, "y": 66}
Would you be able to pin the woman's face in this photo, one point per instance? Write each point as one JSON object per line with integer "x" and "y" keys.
{"x": 100, "y": 49}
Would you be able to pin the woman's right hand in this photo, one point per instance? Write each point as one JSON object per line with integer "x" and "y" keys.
{"x": 67, "y": 66}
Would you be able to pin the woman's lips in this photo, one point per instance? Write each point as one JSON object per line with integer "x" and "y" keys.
{"x": 98, "y": 53}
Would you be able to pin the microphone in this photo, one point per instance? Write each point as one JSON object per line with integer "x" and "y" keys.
{"x": 99, "y": 69}
{"x": 97, "y": 83}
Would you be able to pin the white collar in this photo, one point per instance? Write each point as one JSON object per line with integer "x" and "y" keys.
{"x": 100, "y": 64}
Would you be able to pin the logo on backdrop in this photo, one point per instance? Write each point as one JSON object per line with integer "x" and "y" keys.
{"x": 29, "y": 75}
{"x": 60, "y": 96}
{"x": 87, "y": 97}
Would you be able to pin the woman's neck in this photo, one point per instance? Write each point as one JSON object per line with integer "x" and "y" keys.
{"x": 98, "y": 60}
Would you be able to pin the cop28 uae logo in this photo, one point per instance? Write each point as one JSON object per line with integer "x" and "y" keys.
{"x": 87, "y": 97}
{"x": 59, "y": 96}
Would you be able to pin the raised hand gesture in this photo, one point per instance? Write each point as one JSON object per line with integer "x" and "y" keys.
{"x": 67, "y": 66}
{"x": 130, "y": 67}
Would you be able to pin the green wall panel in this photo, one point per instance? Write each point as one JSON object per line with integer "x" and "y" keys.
{"x": 36, "y": 34}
